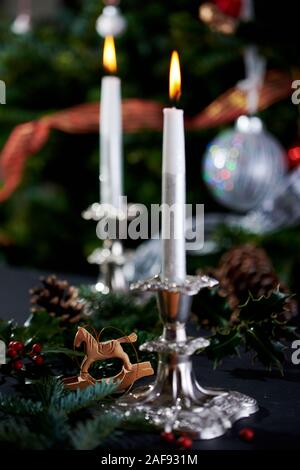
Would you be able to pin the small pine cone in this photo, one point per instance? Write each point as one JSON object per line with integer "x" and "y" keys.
{"x": 247, "y": 269}
{"x": 57, "y": 298}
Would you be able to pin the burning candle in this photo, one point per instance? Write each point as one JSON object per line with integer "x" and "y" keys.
{"x": 111, "y": 171}
{"x": 173, "y": 185}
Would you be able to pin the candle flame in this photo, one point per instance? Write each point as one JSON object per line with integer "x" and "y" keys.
{"x": 175, "y": 77}
{"x": 109, "y": 55}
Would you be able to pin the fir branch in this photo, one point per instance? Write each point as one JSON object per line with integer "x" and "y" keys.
{"x": 119, "y": 310}
{"x": 49, "y": 391}
{"x": 75, "y": 401}
{"x": 18, "y": 434}
{"x": 18, "y": 406}
{"x": 54, "y": 426}
{"x": 92, "y": 433}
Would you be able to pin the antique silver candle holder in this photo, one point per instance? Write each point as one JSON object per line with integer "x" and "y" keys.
{"x": 110, "y": 257}
{"x": 176, "y": 401}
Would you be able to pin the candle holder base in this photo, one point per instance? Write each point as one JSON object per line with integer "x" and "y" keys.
{"x": 176, "y": 401}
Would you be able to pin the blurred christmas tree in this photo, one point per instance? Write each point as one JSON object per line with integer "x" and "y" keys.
{"x": 58, "y": 64}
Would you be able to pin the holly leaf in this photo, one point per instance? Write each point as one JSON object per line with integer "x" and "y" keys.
{"x": 263, "y": 308}
{"x": 287, "y": 332}
{"x": 211, "y": 308}
{"x": 6, "y": 329}
{"x": 224, "y": 343}
{"x": 268, "y": 351}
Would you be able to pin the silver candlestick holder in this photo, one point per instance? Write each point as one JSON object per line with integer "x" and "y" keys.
{"x": 176, "y": 401}
{"x": 111, "y": 257}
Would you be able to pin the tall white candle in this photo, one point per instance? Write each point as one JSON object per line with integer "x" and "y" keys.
{"x": 173, "y": 190}
{"x": 111, "y": 168}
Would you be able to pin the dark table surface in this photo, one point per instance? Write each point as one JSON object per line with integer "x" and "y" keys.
{"x": 276, "y": 424}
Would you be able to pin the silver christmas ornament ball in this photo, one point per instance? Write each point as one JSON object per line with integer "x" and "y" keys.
{"x": 21, "y": 24}
{"x": 111, "y": 22}
{"x": 244, "y": 165}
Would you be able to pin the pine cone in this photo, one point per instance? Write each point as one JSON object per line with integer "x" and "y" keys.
{"x": 247, "y": 269}
{"x": 57, "y": 298}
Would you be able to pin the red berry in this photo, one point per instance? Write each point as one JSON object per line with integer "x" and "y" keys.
{"x": 247, "y": 434}
{"x": 12, "y": 353}
{"x": 18, "y": 346}
{"x": 18, "y": 364}
{"x": 11, "y": 344}
{"x": 185, "y": 442}
{"x": 39, "y": 360}
{"x": 168, "y": 436}
{"x": 36, "y": 348}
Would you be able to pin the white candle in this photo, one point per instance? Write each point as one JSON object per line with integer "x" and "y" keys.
{"x": 173, "y": 188}
{"x": 111, "y": 171}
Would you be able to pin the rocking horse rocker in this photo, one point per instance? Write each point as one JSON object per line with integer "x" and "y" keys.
{"x": 99, "y": 351}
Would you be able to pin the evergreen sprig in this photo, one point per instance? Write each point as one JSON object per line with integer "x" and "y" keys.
{"x": 88, "y": 434}
{"x": 49, "y": 391}
{"x": 13, "y": 405}
{"x": 80, "y": 399}
{"x": 45, "y": 421}
{"x": 18, "y": 434}
{"x": 49, "y": 417}
{"x": 124, "y": 312}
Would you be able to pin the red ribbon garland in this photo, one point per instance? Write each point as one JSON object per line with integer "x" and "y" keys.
{"x": 138, "y": 115}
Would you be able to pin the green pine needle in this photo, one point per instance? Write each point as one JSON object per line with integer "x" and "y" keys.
{"x": 75, "y": 401}
{"x": 92, "y": 433}
{"x": 18, "y": 434}
{"x": 12, "y": 405}
{"x": 49, "y": 391}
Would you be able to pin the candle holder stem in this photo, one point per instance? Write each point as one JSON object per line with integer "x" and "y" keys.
{"x": 111, "y": 277}
{"x": 176, "y": 401}
{"x": 110, "y": 257}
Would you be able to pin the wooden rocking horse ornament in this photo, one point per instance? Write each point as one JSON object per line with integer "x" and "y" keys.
{"x": 99, "y": 351}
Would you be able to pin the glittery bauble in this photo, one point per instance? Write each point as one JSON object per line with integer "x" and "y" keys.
{"x": 21, "y": 24}
{"x": 244, "y": 165}
{"x": 230, "y": 7}
{"x": 294, "y": 155}
{"x": 111, "y": 22}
